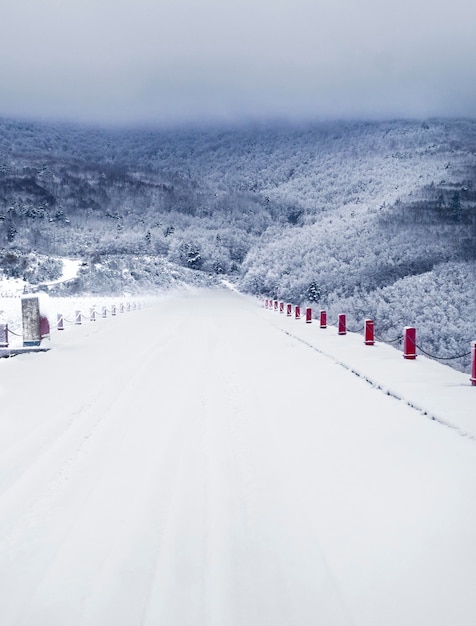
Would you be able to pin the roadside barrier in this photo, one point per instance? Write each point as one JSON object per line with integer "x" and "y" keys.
{"x": 341, "y": 324}
{"x": 473, "y": 368}
{"x": 36, "y": 326}
{"x": 323, "y": 319}
{"x": 3, "y": 335}
{"x": 369, "y": 333}
{"x": 410, "y": 345}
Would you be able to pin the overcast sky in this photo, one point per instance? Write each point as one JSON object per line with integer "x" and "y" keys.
{"x": 168, "y": 61}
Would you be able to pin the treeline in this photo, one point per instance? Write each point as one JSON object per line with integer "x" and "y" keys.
{"x": 329, "y": 213}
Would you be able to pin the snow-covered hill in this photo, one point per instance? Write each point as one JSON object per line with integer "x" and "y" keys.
{"x": 367, "y": 218}
{"x": 205, "y": 461}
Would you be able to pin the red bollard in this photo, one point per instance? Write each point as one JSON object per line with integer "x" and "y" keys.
{"x": 308, "y": 315}
{"x": 44, "y": 327}
{"x": 266, "y": 303}
{"x": 60, "y": 319}
{"x": 289, "y": 310}
{"x": 369, "y": 333}
{"x": 276, "y": 305}
{"x": 297, "y": 312}
{"x": 473, "y": 366}
{"x": 281, "y": 307}
{"x": 323, "y": 319}
{"x": 409, "y": 342}
{"x": 341, "y": 325}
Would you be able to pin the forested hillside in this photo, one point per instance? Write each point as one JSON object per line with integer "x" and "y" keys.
{"x": 369, "y": 218}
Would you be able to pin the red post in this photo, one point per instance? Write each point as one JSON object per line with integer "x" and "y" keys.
{"x": 281, "y": 307}
{"x": 341, "y": 324}
{"x": 77, "y": 319}
{"x": 369, "y": 333}
{"x": 473, "y": 366}
{"x": 297, "y": 312}
{"x": 44, "y": 327}
{"x": 308, "y": 315}
{"x": 266, "y": 303}
{"x": 276, "y": 305}
{"x": 409, "y": 342}
{"x": 289, "y": 310}
{"x": 323, "y": 319}
{"x": 60, "y": 319}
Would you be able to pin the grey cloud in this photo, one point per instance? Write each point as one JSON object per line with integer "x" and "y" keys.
{"x": 158, "y": 61}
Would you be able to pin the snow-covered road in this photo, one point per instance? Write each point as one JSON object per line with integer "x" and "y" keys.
{"x": 192, "y": 464}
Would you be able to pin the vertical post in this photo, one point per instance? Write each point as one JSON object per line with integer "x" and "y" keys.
{"x": 341, "y": 324}
{"x": 369, "y": 333}
{"x": 44, "y": 327}
{"x": 30, "y": 308}
{"x": 128, "y": 307}
{"x": 297, "y": 312}
{"x": 104, "y": 311}
{"x": 281, "y": 307}
{"x": 113, "y": 312}
{"x": 323, "y": 319}
{"x": 92, "y": 314}
{"x": 3, "y": 335}
{"x": 60, "y": 319}
{"x": 473, "y": 364}
{"x": 77, "y": 319}
{"x": 289, "y": 310}
{"x": 409, "y": 342}
{"x": 266, "y": 303}
{"x": 308, "y": 315}
{"x": 121, "y": 308}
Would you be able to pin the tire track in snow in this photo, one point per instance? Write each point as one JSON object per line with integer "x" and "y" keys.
{"x": 52, "y": 475}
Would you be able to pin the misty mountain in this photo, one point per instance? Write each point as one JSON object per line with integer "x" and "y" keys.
{"x": 369, "y": 218}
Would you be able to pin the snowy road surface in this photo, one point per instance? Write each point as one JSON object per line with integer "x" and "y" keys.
{"x": 192, "y": 464}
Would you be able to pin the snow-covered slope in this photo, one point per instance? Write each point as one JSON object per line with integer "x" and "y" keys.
{"x": 205, "y": 461}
